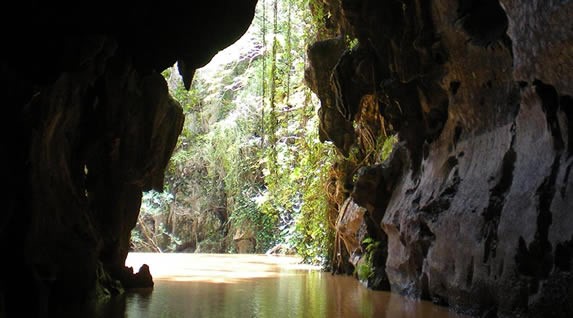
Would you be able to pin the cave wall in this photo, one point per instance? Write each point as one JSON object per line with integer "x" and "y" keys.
{"x": 89, "y": 125}
{"x": 480, "y": 215}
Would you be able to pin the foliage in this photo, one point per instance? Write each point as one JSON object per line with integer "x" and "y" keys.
{"x": 296, "y": 191}
{"x": 248, "y": 217}
{"x": 365, "y": 269}
{"x": 151, "y": 233}
{"x": 351, "y": 42}
{"x": 249, "y": 159}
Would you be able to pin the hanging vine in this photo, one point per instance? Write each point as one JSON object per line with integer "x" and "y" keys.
{"x": 272, "y": 118}
{"x": 288, "y": 51}
{"x": 263, "y": 71}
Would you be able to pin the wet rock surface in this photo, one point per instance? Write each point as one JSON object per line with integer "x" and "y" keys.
{"x": 477, "y": 212}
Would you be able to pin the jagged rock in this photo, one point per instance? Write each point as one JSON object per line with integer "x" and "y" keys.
{"x": 354, "y": 75}
{"x": 349, "y": 229}
{"x": 322, "y": 57}
{"x": 372, "y": 191}
{"x": 541, "y": 41}
{"x": 374, "y": 184}
{"x": 479, "y": 93}
{"x": 187, "y": 72}
{"x": 141, "y": 279}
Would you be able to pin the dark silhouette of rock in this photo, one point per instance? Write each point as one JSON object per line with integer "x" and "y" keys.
{"x": 323, "y": 56}
{"x": 141, "y": 279}
{"x": 89, "y": 125}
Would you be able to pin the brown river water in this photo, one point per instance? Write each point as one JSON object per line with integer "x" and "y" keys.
{"x": 237, "y": 286}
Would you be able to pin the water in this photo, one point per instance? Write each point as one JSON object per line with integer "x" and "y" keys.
{"x": 217, "y": 285}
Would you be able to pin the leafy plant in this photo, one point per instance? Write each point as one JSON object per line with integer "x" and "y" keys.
{"x": 365, "y": 268}
{"x": 351, "y": 42}
{"x": 249, "y": 156}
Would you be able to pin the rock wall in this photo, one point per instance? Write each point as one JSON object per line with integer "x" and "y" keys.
{"x": 89, "y": 125}
{"x": 478, "y": 211}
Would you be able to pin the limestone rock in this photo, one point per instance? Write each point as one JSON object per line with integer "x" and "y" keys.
{"x": 477, "y": 216}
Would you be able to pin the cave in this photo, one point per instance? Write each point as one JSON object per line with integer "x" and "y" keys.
{"x": 474, "y": 206}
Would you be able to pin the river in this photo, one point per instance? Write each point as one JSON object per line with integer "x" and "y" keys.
{"x": 239, "y": 285}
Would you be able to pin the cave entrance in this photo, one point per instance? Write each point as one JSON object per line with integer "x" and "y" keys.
{"x": 252, "y": 171}
{"x": 248, "y": 170}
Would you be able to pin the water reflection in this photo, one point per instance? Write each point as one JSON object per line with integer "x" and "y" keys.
{"x": 216, "y": 268}
{"x": 193, "y": 285}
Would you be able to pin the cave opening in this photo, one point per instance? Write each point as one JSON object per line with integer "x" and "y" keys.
{"x": 250, "y": 167}
{"x": 413, "y": 147}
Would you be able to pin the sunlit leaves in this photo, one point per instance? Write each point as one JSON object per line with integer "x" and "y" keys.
{"x": 256, "y": 156}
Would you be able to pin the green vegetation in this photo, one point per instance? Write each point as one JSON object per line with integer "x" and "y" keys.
{"x": 365, "y": 268}
{"x": 249, "y": 172}
{"x": 248, "y": 165}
